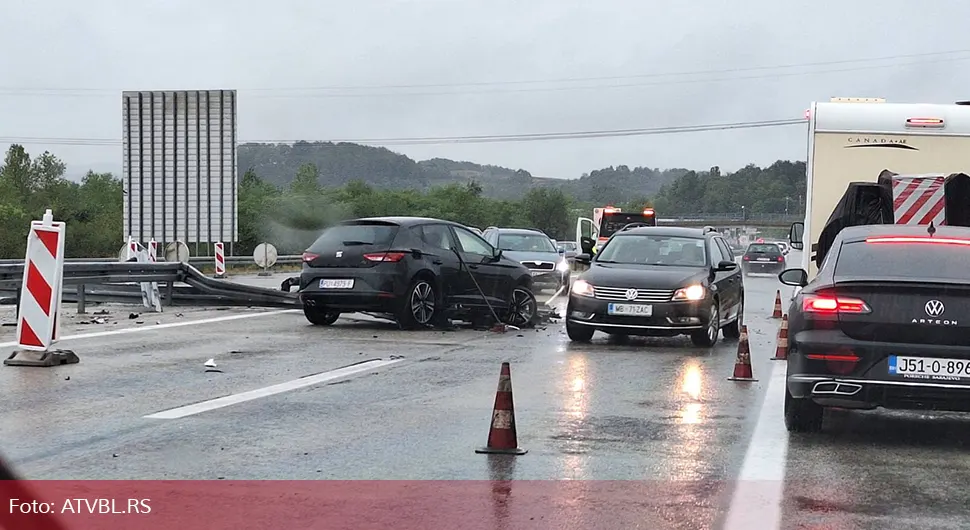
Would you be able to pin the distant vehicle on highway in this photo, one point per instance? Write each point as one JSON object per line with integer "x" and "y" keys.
{"x": 416, "y": 270}
{"x": 763, "y": 258}
{"x": 659, "y": 281}
{"x": 569, "y": 249}
{"x": 548, "y": 265}
{"x": 885, "y": 323}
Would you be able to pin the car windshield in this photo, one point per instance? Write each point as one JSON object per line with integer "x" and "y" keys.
{"x": 567, "y": 246}
{"x": 654, "y": 250}
{"x": 525, "y": 243}
{"x": 360, "y": 233}
{"x": 764, "y": 248}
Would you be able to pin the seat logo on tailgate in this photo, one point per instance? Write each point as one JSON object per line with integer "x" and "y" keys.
{"x": 934, "y": 308}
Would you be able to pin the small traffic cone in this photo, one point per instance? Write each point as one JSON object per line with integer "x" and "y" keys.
{"x": 781, "y": 350}
{"x": 502, "y": 437}
{"x": 742, "y": 367}
{"x": 777, "y": 313}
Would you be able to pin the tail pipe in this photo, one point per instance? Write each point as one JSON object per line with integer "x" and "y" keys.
{"x": 836, "y": 388}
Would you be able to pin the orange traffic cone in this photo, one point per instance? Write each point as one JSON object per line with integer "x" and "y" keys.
{"x": 777, "y": 313}
{"x": 742, "y": 367}
{"x": 502, "y": 438}
{"x": 781, "y": 350}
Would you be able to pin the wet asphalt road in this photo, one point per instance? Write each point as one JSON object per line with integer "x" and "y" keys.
{"x": 656, "y": 411}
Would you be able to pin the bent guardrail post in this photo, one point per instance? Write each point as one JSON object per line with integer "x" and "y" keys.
{"x": 81, "y": 309}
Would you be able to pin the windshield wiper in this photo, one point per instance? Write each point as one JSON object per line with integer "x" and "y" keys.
{"x": 355, "y": 243}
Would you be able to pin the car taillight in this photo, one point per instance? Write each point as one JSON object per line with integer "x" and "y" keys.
{"x": 385, "y": 256}
{"x": 309, "y": 256}
{"x": 781, "y": 259}
{"x": 746, "y": 258}
{"x": 833, "y": 305}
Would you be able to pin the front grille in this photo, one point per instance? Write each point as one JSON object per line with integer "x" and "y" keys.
{"x": 618, "y": 294}
{"x": 540, "y": 265}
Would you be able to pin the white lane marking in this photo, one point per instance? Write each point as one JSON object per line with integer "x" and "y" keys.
{"x": 164, "y": 326}
{"x": 233, "y": 399}
{"x": 757, "y": 498}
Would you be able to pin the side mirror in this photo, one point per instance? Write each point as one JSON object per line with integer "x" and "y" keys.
{"x": 795, "y": 235}
{"x": 583, "y": 258}
{"x": 794, "y": 277}
{"x": 498, "y": 255}
{"x": 726, "y": 266}
{"x": 562, "y": 250}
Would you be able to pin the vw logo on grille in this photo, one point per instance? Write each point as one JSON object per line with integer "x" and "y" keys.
{"x": 934, "y": 308}
{"x": 631, "y": 294}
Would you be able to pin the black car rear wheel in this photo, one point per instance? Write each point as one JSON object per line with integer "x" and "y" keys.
{"x": 802, "y": 414}
{"x": 420, "y": 305}
{"x": 707, "y": 337}
{"x": 320, "y": 317}
{"x": 523, "y": 308}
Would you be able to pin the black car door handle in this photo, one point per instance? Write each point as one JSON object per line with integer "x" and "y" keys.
{"x": 473, "y": 266}
{"x": 436, "y": 261}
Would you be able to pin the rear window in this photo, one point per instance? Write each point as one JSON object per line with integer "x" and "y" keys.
{"x": 905, "y": 261}
{"x": 525, "y": 243}
{"x": 358, "y": 233}
{"x": 764, "y": 249}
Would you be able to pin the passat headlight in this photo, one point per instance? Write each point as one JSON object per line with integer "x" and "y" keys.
{"x": 562, "y": 266}
{"x": 582, "y": 288}
{"x": 692, "y": 292}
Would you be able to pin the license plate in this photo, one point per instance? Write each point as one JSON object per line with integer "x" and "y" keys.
{"x": 764, "y": 259}
{"x": 935, "y": 368}
{"x": 539, "y": 273}
{"x": 336, "y": 284}
{"x": 630, "y": 309}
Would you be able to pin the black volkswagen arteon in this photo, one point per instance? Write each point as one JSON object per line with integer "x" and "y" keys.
{"x": 416, "y": 270}
{"x": 659, "y": 281}
{"x": 884, "y": 323}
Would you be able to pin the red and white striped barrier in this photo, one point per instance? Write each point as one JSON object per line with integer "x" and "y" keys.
{"x": 153, "y": 250}
{"x": 220, "y": 259}
{"x": 38, "y": 321}
{"x": 132, "y": 249}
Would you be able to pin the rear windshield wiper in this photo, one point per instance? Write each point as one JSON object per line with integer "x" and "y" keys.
{"x": 356, "y": 243}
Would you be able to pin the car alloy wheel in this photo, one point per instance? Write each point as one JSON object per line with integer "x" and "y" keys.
{"x": 523, "y": 307}
{"x": 422, "y": 303}
{"x": 713, "y": 325}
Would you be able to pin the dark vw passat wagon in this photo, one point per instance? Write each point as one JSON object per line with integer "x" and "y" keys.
{"x": 418, "y": 271}
{"x": 885, "y": 323}
{"x": 659, "y": 281}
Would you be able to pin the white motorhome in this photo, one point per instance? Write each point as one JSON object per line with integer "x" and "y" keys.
{"x": 855, "y": 139}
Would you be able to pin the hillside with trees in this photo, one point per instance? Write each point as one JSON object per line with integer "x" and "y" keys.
{"x": 289, "y": 208}
{"x": 341, "y": 163}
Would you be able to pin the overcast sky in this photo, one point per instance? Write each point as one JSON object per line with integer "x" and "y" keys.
{"x": 65, "y": 62}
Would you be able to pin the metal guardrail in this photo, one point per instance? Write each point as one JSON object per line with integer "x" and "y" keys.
{"x": 739, "y": 217}
{"x": 99, "y": 281}
{"x": 194, "y": 260}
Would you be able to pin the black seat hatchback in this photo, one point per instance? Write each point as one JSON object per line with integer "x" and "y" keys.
{"x": 418, "y": 271}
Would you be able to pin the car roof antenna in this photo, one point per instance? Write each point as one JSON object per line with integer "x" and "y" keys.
{"x": 931, "y": 229}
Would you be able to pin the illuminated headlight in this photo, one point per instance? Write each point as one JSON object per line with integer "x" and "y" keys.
{"x": 693, "y": 292}
{"x": 562, "y": 266}
{"x": 582, "y": 288}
